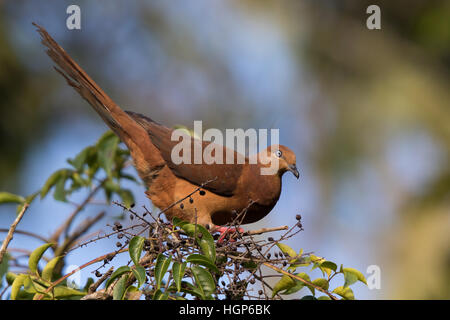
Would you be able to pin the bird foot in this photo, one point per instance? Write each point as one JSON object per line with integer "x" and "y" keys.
{"x": 227, "y": 230}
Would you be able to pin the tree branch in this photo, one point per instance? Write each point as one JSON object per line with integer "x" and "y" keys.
{"x": 10, "y": 234}
{"x": 300, "y": 279}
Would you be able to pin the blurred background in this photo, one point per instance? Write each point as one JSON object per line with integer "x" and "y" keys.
{"x": 366, "y": 111}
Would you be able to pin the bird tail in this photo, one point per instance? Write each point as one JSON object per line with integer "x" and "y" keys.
{"x": 117, "y": 119}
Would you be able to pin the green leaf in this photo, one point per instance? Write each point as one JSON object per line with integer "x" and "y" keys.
{"x": 66, "y": 292}
{"x": 287, "y": 250}
{"x": 89, "y": 282}
{"x": 308, "y": 298}
{"x": 77, "y": 181}
{"x": 107, "y": 147}
{"x": 60, "y": 191}
{"x": 352, "y": 275}
{"x": 324, "y": 298}
{"x": 178, "y": 222}
{"x": 202, "y": 260}
{"x": 59, "y": 175}
{"x": 36, "y": 255}
{"x": 16, "y": 285}
{"x": 47, "y": 272}
{"x": 120, "y": 288}
{"x": 285, "y": 283}
{"x": 350, "y": 278}
{"x": 4, "y": 267}
{"x": 205, "y": 241}
{"x": 120, "y": 271}
{"x": 133, "y": 293}
{"x": 127, "y": 197}
{"x": 6, "y": 197}
{"x": 10, "y": 277}
{"x": 28, "y": 285}
{"x": 328, "y": 266}
{"x": 300, "y": 261}
{"x": 81, "y": 158}
{"x": 299, "y": 284}
{"x": 178, "y": 273}
{"x": 204, "y": 281}
{"x": 135, "y": 249}
{"x": 321, "y": 282}
{"x": 139, "y": 273}
{"x": 249, "y": 264}
{"x": 162, "y": 264}
{"x": 110, "y": 187}
{"x": 345, "y": 292}
{"x": 159, "y": 295}
{"x": 192, "y": 290}
{"x": 317, "y": 261}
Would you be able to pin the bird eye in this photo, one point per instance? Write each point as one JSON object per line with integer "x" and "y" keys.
{"x": 278, "y": 153}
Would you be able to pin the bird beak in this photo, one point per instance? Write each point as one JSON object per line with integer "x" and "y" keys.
{"x": 293, "y": 169}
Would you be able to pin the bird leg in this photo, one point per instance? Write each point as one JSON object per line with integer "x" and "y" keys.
{"x": 227, "y": 230}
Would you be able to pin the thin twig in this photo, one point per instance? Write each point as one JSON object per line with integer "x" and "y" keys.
{"x": 300, "y": 279}
{"x": 82, "y": 229}
{"x": 66, "y": 225}
{"x": 10, "y": 234}
{"x": 264, "y": 230}
{"x": 27, "y": 233}
{"x": 97, "y": 284}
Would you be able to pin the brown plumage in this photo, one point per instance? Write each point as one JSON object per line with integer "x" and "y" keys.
{"x": 233, "y": 188}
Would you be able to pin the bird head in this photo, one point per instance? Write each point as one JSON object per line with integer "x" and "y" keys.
{"x": 280, "y": 157}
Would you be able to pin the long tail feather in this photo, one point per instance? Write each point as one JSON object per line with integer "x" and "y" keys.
{"x": 83, "y": 84}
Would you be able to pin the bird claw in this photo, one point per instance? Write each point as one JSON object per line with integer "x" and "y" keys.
{"x": 227, "y": 230}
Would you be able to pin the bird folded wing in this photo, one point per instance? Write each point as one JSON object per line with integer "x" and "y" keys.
{"x": 224, "y": 176}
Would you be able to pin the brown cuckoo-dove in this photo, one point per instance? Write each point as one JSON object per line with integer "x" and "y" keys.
{"x": 226, "y": 190}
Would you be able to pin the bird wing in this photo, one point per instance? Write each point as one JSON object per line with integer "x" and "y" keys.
{"x": 223, "y": 178}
